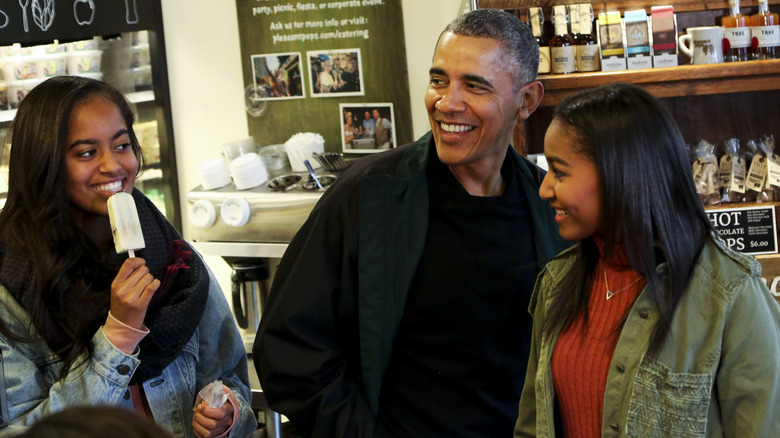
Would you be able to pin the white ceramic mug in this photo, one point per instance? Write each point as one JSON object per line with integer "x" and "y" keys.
{"x": 704, "y": 45}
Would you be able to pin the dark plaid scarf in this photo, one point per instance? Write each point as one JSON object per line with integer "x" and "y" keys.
{"x": 175, "y": 310}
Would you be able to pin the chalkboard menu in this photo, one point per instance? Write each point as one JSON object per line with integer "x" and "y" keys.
{"x": 335, "y": 68}
{"x": 32, "y": 22}
{"x": 750, "y": 230}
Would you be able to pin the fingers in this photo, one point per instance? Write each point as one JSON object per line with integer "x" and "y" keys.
{"x": 131, "y": 291}
{"x": 211, "y": 422}
{"x": 129, "y": 267}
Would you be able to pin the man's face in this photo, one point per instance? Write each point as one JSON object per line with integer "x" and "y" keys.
{"x": 368, "y": 115}
{"x": 376, "y": 114}
{"x": 472, "y": 104}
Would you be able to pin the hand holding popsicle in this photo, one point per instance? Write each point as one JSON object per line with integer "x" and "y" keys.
{"x": 131, "y": 291}
{"x": 134, "y": 286}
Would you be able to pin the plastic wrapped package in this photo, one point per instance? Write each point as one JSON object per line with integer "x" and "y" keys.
{"x": 756, "y": 178}
{"x": 705, "y": 171}
{"x": 731, "y": 173}
{"x": 772, "y": 187}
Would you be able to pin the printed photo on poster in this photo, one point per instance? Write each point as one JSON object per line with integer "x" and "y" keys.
{"x": 335, "y": 73}
{"x": 367, "y": 127}
{"x": 277, "y": 76}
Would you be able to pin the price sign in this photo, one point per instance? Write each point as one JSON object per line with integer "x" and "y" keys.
{"x": 750, "y": 230}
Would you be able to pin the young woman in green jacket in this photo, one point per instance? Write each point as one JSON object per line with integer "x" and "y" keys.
{"x": 650, "y": 326}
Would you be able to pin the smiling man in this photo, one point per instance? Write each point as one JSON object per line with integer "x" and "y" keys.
{"x": 400, "y": 307}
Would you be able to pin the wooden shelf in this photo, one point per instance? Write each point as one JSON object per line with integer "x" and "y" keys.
{"x": 685, "y": 80}
{"x": 621, "y": 5}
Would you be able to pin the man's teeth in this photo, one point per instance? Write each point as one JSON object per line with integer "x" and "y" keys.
{"x": 560, "y": 212}
{"x": 110, "y": 187}
{"x": 456, "y": 128}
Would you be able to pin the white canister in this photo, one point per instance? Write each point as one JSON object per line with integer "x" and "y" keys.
{"x": 17, "y": 90}
{"x": 52, "y": 65}
{"x": 142, "y": 78}
{"x": 139, "y": 56}
{"x": 86, "y": 61}
{"x": 213, "y": 174}
{"x": 18, "y": 68}
{"x": 84, "y": 45}
{"x": 248, "y": 171}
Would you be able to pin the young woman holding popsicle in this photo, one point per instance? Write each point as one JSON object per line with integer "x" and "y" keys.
{"x": 81, "y": 324}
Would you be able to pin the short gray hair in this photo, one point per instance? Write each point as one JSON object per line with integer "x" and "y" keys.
{"x": 520, "y": 56}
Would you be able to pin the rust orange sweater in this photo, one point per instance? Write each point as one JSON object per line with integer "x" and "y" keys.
{"x": 582, "y": 355}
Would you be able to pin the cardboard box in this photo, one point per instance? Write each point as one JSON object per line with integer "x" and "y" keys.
{"x": 663, "y": 22}
{"x": 611, "y": 37}
{"x": 637, "y": 39}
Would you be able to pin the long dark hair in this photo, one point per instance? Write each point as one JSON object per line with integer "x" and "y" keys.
{"x": 648, "y": 198}
{"x": 36, "y": 222}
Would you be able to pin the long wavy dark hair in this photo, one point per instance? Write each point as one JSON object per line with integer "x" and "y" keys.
{"x": 648, "y": 199}
{"x": 36, "y": 222}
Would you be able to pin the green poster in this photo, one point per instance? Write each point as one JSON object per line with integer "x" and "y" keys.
{"x": 335, "y": 68}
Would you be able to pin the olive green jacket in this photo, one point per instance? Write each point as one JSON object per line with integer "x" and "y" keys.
{"x": 718, "y": 373}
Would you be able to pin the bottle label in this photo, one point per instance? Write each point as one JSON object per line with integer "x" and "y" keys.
{"x": 563, "y": 59}
{"x": 544, "y": 60}
{"x": 767, "y": 36}
{"x": 739, "y": 37}
{"x": 588, "y": 57}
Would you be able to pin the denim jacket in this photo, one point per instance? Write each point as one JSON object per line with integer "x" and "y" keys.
{"x": 214, "y": 352}
{"x": 717, "y": 374}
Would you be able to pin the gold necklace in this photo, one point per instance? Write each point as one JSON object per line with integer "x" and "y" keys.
{"x": 610, "y": 293}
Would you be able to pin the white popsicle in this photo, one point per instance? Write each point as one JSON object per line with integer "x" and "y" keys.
{"x": 125, "y": 225}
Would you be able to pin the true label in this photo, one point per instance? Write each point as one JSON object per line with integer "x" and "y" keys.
{"x": 739, "y": 37}
{"x": 767, "y": 36}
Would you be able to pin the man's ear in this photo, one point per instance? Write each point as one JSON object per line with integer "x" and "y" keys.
{"x": 532, "y": 97}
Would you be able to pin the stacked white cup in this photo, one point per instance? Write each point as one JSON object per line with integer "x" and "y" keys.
{"x": 248, "y": 171}
{"x": 213, "y": 174}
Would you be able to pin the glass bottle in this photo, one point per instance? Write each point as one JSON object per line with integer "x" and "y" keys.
{"x": 574, "y": 24}
{"x": 536, "y": 18}
{"x": 737, "y": 32}
{"x": 562, "y": 46}
{"x": 765, "y": 32}
{"x": 586, "y": 46}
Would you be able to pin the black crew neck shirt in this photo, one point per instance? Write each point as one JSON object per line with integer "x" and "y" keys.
{"x": 459, "y": 360}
